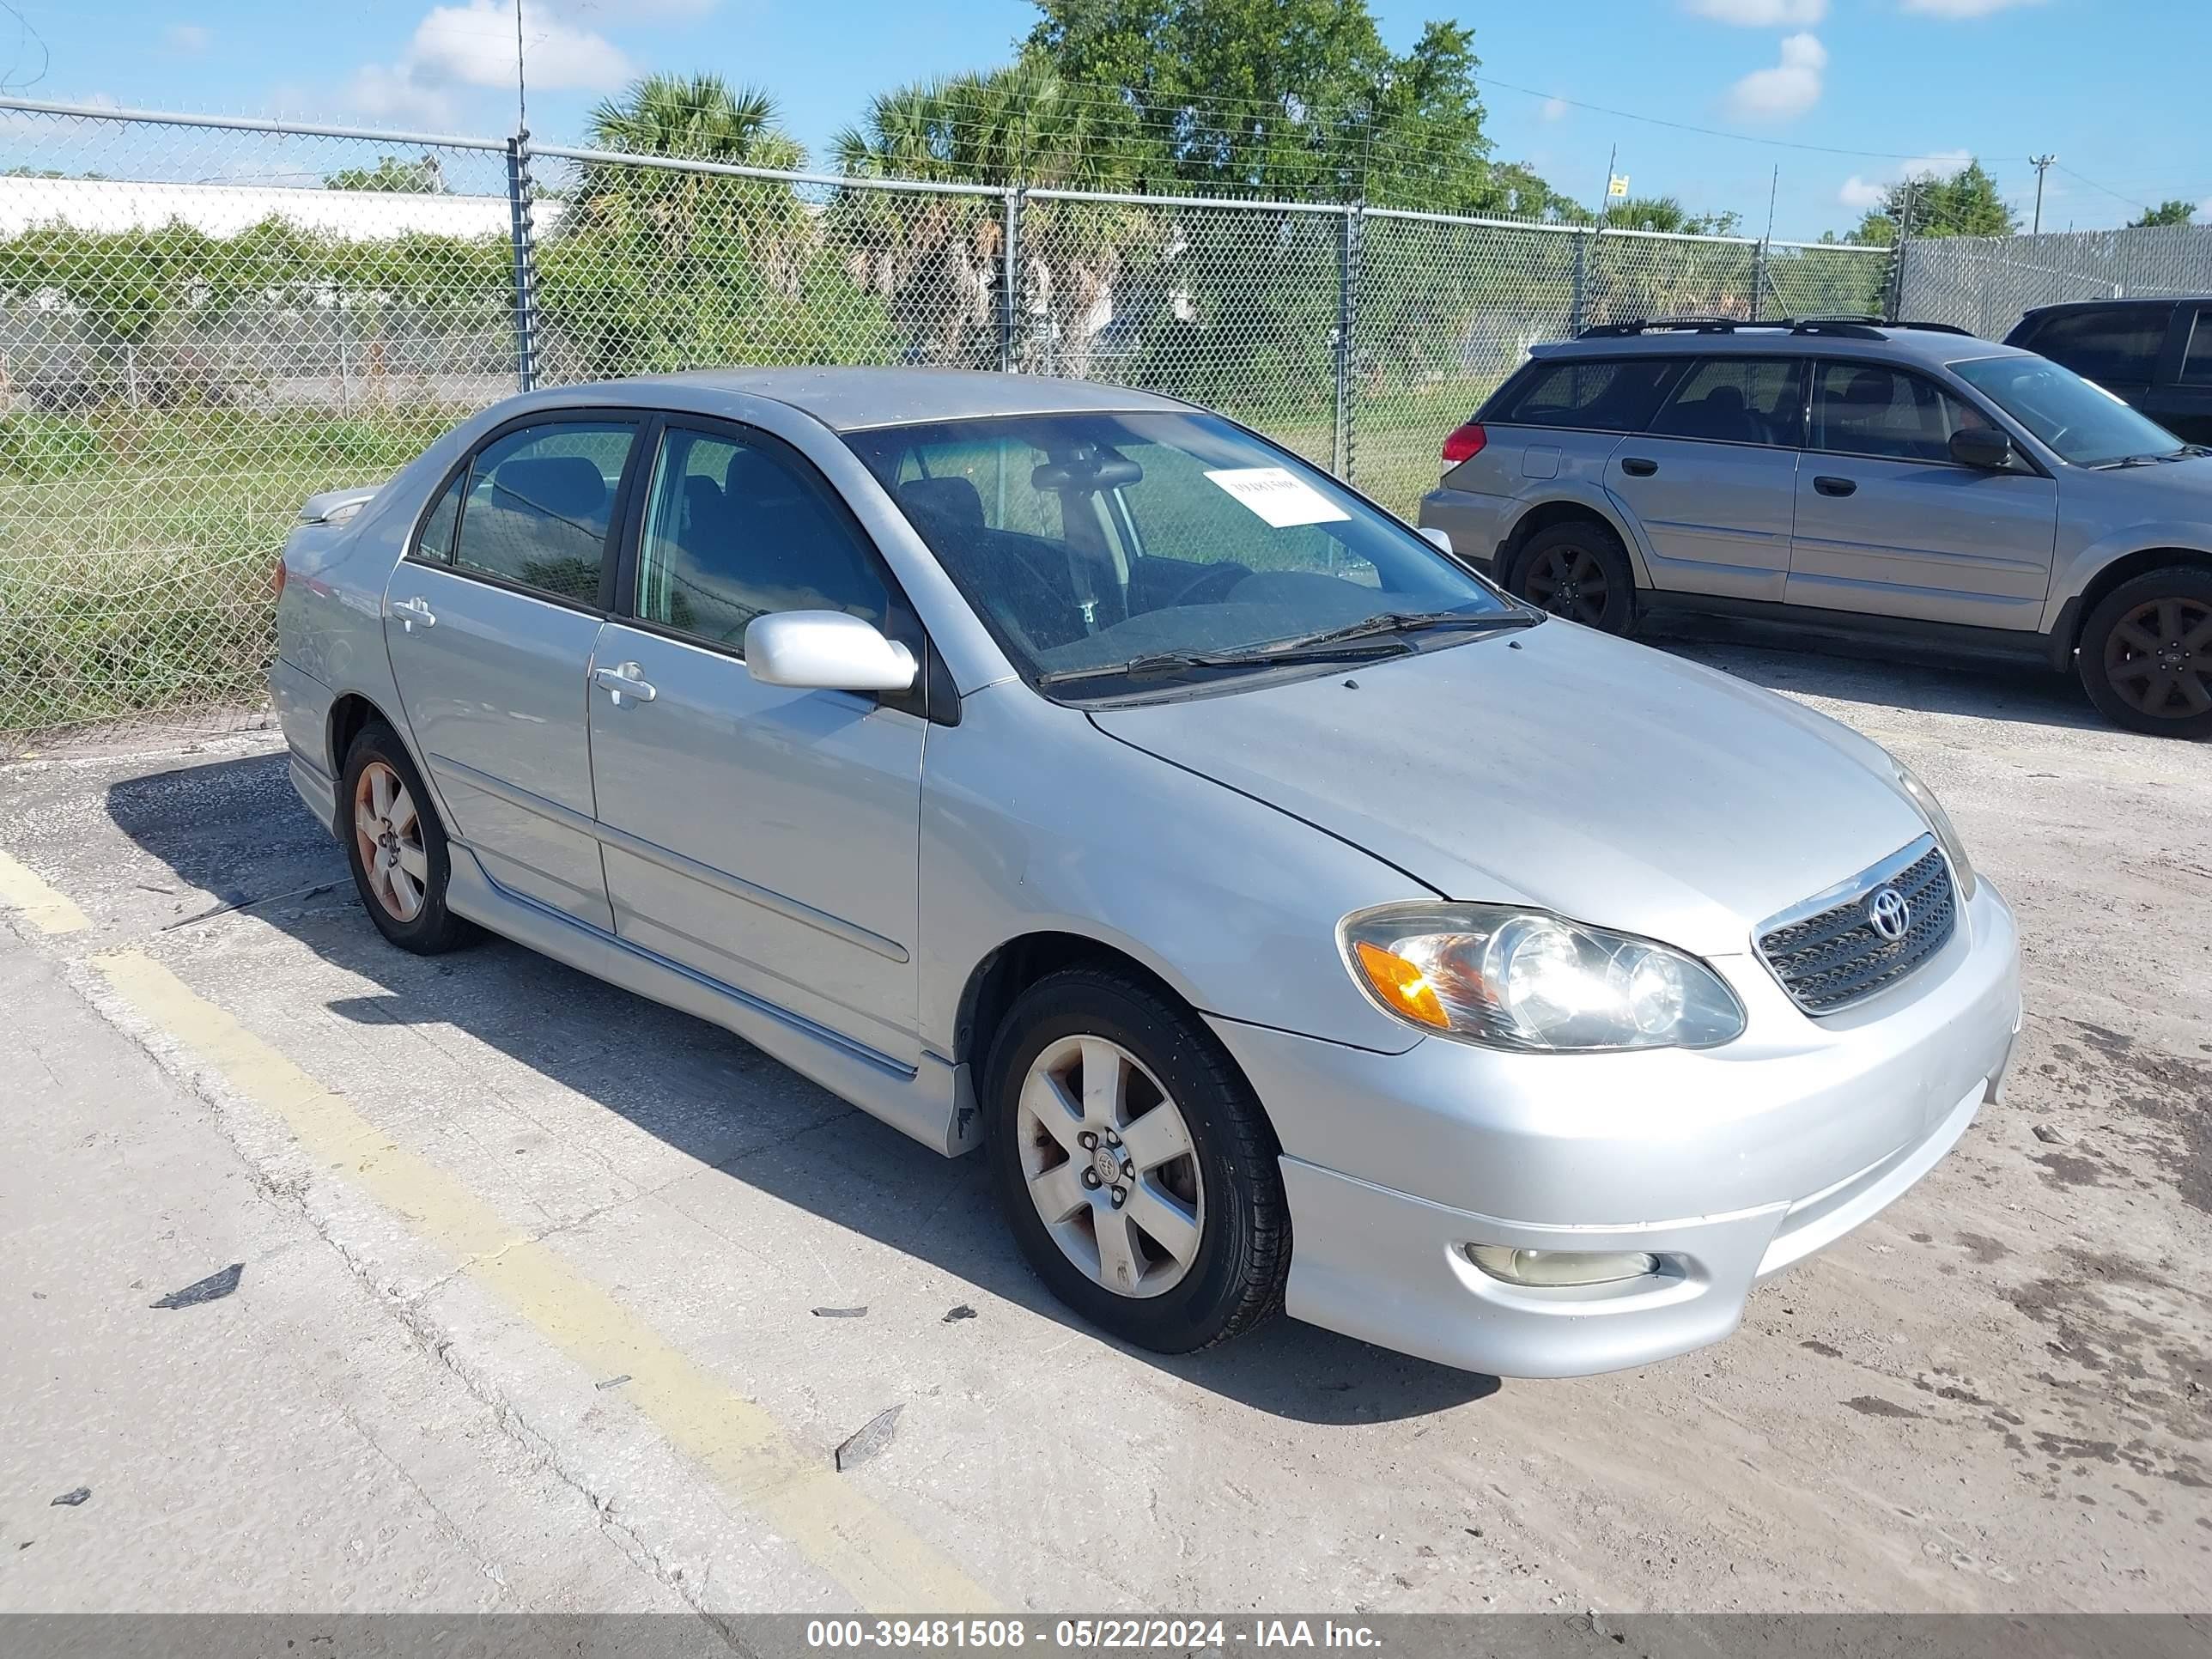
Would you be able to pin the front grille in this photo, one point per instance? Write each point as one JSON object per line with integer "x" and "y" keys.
{"x": 1830, "y": 957}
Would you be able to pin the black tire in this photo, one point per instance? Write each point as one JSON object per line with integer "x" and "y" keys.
{"x": 2145, "y": 656}
{"x": 1580, "y": 571}
{"x": 1234, "y": 1279}
{"x": 431, "y": 929}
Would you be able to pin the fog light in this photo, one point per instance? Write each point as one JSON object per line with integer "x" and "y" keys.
{"x": 1560, "y": 1267}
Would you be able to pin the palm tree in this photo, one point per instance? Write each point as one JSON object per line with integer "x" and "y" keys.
{"x": 658, "y": 266}
{"x": 936, "y": 259}
{"x": 699, "y": 116}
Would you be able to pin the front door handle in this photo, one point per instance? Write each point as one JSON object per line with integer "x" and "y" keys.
{"x": 1637, "y": 467}
{"x": 624, "y": 680}
{"x": 411, "y": 611}
{"x": 1835, "y": 486}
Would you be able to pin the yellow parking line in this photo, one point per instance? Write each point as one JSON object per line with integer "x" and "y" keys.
{"x": 884, "y": 1567}
{"x": 46, "y": 909}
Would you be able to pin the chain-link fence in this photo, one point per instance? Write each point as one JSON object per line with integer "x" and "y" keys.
{"x": 204, "y": 321}
{"x": 1983, "y": 283}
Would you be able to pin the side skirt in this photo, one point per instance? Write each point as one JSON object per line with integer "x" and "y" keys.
{"x": 922, "y": 1102}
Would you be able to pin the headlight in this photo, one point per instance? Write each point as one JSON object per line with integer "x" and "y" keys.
{"x": 1527, "y": 980}
{"x": 1946, "y": 833}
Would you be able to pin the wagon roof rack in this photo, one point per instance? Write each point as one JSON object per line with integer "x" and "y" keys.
{"x": 1857, "y": 327}
{"x": 1670, "y": 324}
{"x": 1867, "y": 328}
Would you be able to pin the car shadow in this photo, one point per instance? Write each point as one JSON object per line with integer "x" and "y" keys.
{"x": 1904, "y": 674}
{"x": 235, "y": 830}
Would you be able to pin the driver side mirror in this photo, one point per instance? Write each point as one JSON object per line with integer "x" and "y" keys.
{"x": 825, "y": 651}
{"x": 1439, "y": 539}
{"x": 1981, "y": 446}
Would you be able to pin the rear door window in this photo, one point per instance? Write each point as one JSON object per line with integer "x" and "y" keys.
{"x": 1595, "y": 394}
{"x": 2113, "y": 347}
{"x": 1739, "y": 400}
{"x": 539, "y": 500}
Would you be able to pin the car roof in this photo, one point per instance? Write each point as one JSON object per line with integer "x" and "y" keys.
{"x": 2120, "y": 302}
{"x": 1916, "y": 345}
{"x": 848, "y": 399}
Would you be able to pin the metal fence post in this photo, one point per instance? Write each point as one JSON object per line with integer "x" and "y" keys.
{"x": 1350, "y": 245}
{"x": 526, "y": 262}
{"x": 1010, "y": 282}
{"x": 1578, "y": 304}
{"x": 1757, "y": 276}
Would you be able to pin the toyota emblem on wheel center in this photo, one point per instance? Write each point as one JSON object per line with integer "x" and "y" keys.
{"x": 1889, "y": 915}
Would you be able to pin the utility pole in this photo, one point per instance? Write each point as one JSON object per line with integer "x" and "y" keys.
{"x": 2040, "y": 163}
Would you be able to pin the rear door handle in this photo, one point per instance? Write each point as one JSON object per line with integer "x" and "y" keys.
{"x": 411, "y": 611}
{"x": 624, "y": 680}
{"x": 1835, "y": 486}
{"x": 1637, "y": 467}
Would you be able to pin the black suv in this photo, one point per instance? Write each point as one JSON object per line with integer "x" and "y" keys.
{"x": 2157, "y": 354}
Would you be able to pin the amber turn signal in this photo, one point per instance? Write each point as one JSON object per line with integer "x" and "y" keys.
{"x": 1402, "y": 984}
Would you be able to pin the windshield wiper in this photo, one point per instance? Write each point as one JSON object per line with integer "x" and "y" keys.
{"x": 1169, "y": 662}
{"x": 1408, "y": 622}
{"x": 2180, "y": 454}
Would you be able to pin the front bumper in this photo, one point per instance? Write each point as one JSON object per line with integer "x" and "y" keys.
{"x": 1727, "y": 1165}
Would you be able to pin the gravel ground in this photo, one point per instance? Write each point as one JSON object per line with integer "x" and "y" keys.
{"x": 1993, "y": 1397}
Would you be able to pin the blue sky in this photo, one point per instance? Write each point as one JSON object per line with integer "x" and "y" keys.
{"x": 2115, "y": 89}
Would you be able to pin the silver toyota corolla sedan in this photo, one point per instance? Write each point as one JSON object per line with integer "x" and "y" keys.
{"x": 1293, "y": 918}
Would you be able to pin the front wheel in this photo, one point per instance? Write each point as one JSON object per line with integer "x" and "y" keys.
{"x": 1578, "y": 570}
{"x": 1134, "y": 1166}
{"x": 2146, "y": 654}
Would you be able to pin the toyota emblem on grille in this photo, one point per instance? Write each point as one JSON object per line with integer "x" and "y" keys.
{"x": 1888, "y": 914}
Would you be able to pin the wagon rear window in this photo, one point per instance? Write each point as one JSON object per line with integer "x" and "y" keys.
{"x": 1617, "y": 395}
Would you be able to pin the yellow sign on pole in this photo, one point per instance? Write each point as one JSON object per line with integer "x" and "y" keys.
{"x": 1617, "y": 185}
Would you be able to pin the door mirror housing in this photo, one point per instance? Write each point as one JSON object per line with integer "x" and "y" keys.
{"x": 1439, "y": 539}
{"x": 825, "y": 651}
{"x": 1982, "y": 446}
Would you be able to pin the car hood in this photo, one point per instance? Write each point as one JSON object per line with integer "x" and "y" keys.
{"x": 1560, "y": 768}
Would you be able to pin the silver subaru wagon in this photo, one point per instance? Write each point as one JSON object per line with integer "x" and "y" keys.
{"x": 1070, "y": 772}
{"x": 1837, "y": 473}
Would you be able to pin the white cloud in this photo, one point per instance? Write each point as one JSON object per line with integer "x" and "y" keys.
{"x": 190, "y": 37}
{"x": 1555, "y": 109}
{"x": 1764, "y": 14}
{"x": 1965, "y": 8}
{"x": 1865, "y": 193}
{"x": 1787, "y": 90}
{"x": 472, "y": 45}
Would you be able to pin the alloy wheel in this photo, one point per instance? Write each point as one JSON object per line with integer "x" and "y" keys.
{"x": 1570, "y": 582}
{"x": 2159, "y": 657}
{"x": 388, "y": 827}
{"x": 1109, "y": 1163}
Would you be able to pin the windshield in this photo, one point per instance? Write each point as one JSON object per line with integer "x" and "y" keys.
{"x": 2078, "y": 418}
{"x": 1143, "y": 540}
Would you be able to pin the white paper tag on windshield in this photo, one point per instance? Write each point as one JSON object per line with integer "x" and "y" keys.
{"x": 1279, "y": 495}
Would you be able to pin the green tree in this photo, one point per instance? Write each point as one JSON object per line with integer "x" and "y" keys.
{"x": 936, "y": 259}
{"x": 2171, "y": 212}
{"x": 653, "y": 268}
{"x": 1667, "y": 213}
{"x": 424, "y": 176}
{"x": 1961, "y": 204}
{"x": 1290, "y": 98}
{"x": 699, "y": 116}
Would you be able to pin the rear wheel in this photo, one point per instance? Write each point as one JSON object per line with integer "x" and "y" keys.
{"x": 1134, "y": 1166}
{"x": 1578, "y": 570}
{"x": 2146, "y": 653}
{"x": 397, "y": 846}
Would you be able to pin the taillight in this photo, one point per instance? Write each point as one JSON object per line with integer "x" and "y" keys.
{"x": 1465, "y": 441}
{"x": 277, "y": 578}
